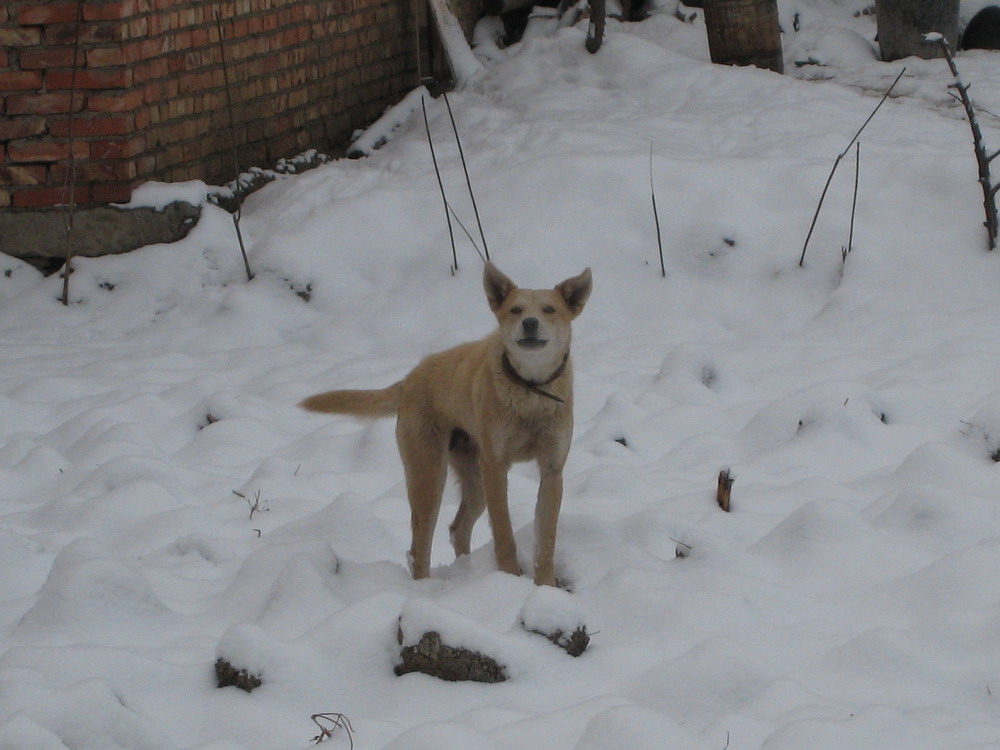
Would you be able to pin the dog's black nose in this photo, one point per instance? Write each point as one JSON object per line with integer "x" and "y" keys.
{"x": 530, "y": 326}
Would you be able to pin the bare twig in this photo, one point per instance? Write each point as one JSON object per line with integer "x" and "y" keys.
{"x": 330, "y": 722}
{"x": 982, "y": 159}
{"x": 232, "y": 136}
{"x": 69, "y": 186}
{"x": 444, "y": 198}
{"x": 255, "y": 506}
{"x": 468, "y": 182}
{"x": 656, "y": 215}
{"x": 836, "y": 163}
{"x": 854, "y": 200}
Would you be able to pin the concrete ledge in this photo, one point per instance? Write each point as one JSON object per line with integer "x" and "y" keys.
{"x": 38, "y": 236}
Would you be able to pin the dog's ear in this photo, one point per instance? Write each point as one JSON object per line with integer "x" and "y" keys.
{"x": 498, "y": 287}
{"x": 576, "y": 291}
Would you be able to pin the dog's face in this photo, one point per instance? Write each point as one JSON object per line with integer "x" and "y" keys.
{"x": 535, "y": 323}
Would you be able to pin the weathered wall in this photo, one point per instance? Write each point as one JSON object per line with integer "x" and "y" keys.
{"x": 151, "y": 93}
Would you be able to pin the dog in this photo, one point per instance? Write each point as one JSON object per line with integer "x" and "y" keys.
{"x": 482, "y": 406}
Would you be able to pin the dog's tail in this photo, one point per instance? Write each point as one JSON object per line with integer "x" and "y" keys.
{"x": 381, "y": 403}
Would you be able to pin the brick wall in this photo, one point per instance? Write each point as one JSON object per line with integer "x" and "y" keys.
{"x": 148, "y": 94}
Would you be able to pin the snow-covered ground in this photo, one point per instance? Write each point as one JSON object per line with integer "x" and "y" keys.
{"x": 164, "y": 502}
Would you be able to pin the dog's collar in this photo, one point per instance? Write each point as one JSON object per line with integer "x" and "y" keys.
{"x": 535, "y": 386}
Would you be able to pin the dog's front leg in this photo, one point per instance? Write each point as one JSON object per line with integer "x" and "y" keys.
{"x": 550, "y": 490}
{"x": 495, "y": 488}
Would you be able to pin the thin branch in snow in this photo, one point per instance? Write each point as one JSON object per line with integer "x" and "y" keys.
{"x": 468, "y": 182}
{"x": 836, "y": 163}
{"x": 656, "y": 215}
{"x": 982, "y": 160}
{"x": 854, "y": 201}
{"x": 444, "y": 198}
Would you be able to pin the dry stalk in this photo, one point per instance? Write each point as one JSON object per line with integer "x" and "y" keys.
{"x": 854, "y": 200}
{"x": 836, "y": 163}
{"x": 982, "y": 158}
{"x": 656, "y": 215}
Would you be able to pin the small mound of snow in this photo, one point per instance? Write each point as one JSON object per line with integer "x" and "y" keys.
{"x": 826, "y": 44}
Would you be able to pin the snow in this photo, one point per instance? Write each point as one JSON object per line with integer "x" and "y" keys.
{"x": 381, "y": 131}
{"x": 463, "y": 63}
{"x": 165, "y": 503}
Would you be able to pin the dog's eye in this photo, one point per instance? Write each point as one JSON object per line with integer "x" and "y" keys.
{"x": 548, "y": 309}
{"x": 516, "y": 310}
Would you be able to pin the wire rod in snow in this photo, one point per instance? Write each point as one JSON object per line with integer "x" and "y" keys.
{"x": 836, "y": 163}
{"x": 444, "y": 198}
{"x": 232, "y": 139}
{"x": 468, "y": 182}
{"x": 467, "y": 234}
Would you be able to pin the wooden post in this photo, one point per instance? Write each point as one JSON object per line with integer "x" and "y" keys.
{"x": 903, "y": 23}
{"x": 744, "y": 32}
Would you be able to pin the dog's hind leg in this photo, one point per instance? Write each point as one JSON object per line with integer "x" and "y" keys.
{"x": 464, "y": 456}
{"x": 424, "y": 463}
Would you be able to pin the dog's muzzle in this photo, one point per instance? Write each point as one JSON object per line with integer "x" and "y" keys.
{"x": 531, "y": 340}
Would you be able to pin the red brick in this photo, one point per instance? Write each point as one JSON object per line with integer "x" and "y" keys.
{"x": 95, "y": 171}
{"x": 20, "y": 80}
{"x": 42, "y": 104}
{"x": 111, "y": 192}
{"x": 50, "y": 196}
{"x": 109, "y": 11}
{"x": 5, "y": 198}
{"x": 41, "y": 14}
{"x": 22, "y": 175}
{"x": 92, "y": 126}
{"x": 31, "y": 151}
{"x": 42, "y": 59}
{"x": 104, "y": 57}
{"x": 21, "y": 127}
{"x": 95, "y": 33}
{"x": 123, "y": 102}
{"x": 4, "y": 60}
{"x": 87, "y": 79}
{"x": 118, "y": 148}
